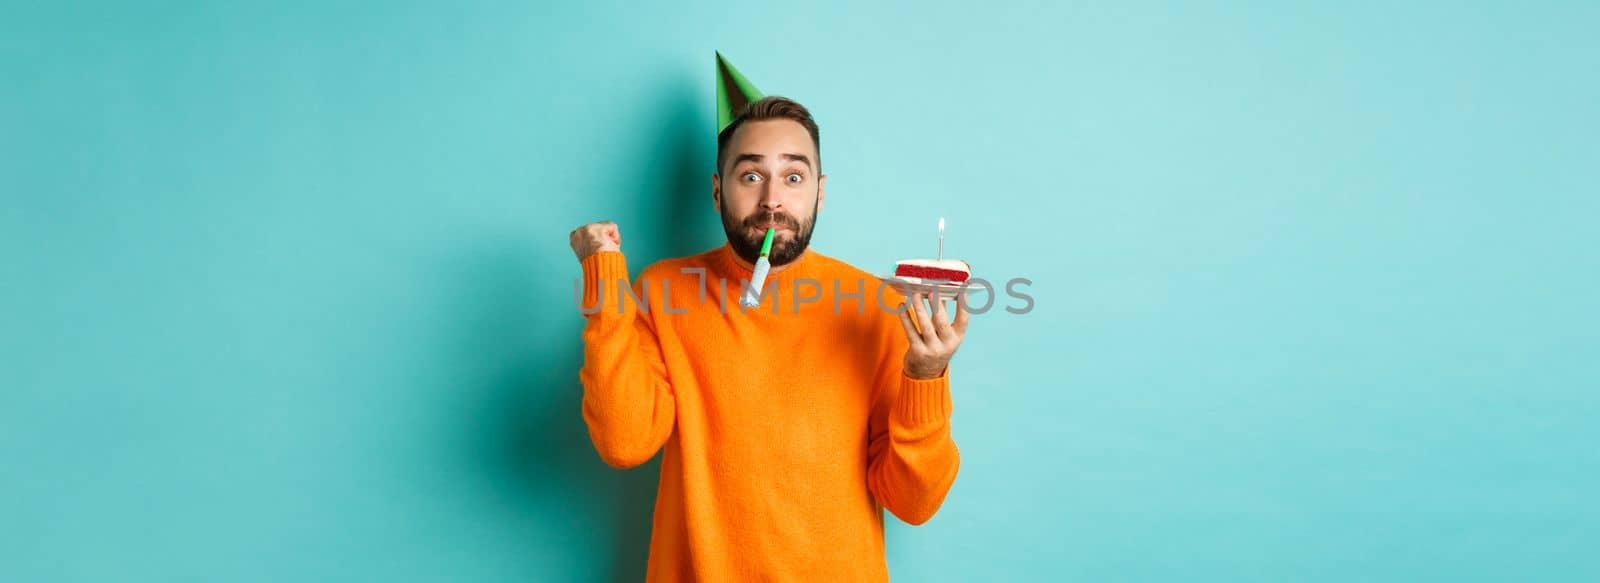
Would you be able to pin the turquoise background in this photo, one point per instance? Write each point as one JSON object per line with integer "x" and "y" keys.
{"x": 286, "y": 292}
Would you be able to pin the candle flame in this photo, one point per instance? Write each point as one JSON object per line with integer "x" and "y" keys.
{"x": 941, "y": 224}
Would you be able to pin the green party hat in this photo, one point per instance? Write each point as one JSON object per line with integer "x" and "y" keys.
{"x": 733, "y": 92}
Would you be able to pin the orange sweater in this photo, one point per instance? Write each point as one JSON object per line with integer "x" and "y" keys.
{"x": 784, "y": 433}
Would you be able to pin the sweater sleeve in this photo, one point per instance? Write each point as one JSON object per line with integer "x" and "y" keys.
{"x": 628, "y": 402}
{"x": 912, "y": 459}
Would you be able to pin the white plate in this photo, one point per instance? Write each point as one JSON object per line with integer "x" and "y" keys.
{"x": 906, "y": 285}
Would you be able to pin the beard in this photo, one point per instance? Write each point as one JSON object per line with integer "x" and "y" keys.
{"x": 746, "y": 240}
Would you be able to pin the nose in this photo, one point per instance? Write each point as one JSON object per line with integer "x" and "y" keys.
{"x": 769, "y": 198}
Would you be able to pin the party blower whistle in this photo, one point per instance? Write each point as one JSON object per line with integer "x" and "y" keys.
{"x": 758, "y": 276}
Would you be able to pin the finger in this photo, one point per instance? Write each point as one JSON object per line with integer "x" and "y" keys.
{"x": 941, "y": 322}
{"x": 925, "y": 324}
{"x": 910, "y": 314}
{"x": 912, "y": 334}
{"x": 962, "y": 315}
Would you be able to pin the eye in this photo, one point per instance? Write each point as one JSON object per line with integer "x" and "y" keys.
{"x": 751, "y": 177}
{"x": 795, "y": 178}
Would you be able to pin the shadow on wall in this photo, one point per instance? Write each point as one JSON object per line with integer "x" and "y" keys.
{"x": 671, "y": 193}
{"x": 536, "y": 435}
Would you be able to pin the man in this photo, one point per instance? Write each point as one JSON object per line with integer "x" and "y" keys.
{"x": 785, "y": 427}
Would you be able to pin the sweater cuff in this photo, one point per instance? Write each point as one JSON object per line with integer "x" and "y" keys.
{"x": 601, "y": 273}
{"x": 924, "y": 401}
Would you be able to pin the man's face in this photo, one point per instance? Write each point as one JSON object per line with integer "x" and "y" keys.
{"x": 771, "y": 180}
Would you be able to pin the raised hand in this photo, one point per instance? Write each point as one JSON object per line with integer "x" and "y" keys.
{"x": 594, "y": 238}
{"x": 933, "y": 337}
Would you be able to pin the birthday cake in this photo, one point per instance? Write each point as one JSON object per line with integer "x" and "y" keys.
{"x": 946, "y": 271}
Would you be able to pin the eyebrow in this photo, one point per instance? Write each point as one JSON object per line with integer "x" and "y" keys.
{"x": 759, "y": 157}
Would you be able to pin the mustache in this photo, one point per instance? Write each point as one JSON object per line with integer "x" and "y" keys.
{"x": 758, "y": 219}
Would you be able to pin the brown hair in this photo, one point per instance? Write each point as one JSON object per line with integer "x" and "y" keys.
{"x": 771, "y": 107}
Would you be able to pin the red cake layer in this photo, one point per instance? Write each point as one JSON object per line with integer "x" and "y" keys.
{"x": 930, "y": 273}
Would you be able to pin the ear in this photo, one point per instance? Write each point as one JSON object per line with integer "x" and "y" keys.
{"x": 716, "y": 193}
{"x": 822, "y": 183}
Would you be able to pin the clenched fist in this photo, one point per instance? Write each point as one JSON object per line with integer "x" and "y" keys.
{"x": 594, "y": 238}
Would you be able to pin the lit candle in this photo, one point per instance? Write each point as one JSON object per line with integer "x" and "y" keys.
{"x": 941, "y": 238}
